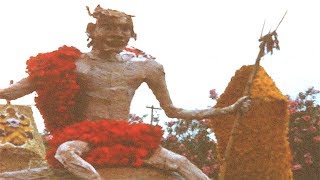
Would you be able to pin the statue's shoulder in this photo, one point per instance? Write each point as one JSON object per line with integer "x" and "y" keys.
{"x": 135, "y": 55}
{"x": 138, "y": 56}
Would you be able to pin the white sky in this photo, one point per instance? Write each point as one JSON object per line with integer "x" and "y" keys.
{"x": 201, "y": 43}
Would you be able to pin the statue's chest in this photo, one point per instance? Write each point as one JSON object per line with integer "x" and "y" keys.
{"x": 110, "y": 74}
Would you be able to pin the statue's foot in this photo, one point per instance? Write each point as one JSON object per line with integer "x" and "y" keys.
{"x": 68, "y": 154}
{"x": 168, "y": 160}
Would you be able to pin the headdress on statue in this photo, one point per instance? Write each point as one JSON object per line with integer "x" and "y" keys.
{"x": 109, "y": 17}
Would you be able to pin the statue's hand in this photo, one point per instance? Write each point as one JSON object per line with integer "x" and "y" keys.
{"x": 243, "y": 104}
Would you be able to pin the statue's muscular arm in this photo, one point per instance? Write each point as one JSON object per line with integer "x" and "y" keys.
{"x": 155, "y": 78}
{"x": 17, "y": 90}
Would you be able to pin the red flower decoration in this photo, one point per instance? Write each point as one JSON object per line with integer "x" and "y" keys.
{"x": 113, "y": 142}
{"x": 55, "y": 80}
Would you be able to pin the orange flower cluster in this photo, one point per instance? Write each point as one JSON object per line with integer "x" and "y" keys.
{"x": 54, "y": 77}
{"x": 114, "y": 143}
{"x": 261, "y": 149}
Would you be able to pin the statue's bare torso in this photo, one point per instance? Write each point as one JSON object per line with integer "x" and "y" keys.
{"x": 107, "y": 88}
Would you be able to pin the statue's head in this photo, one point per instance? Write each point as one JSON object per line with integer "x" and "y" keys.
{"x": 111, "y": 32}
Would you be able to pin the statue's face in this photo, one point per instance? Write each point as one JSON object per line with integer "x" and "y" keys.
{"x": 112, "y": 37}
{"x": 111, "y": 32}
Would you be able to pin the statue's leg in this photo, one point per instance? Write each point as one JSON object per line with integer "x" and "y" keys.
{"x": 168, "y": 160}
{"x": 69, "y": 154}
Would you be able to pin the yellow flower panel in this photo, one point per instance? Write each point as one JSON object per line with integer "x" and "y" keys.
{"x": 21, "y": 145}
{"x": 260, "y": 149}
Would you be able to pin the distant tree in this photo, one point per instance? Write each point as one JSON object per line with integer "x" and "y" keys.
{"x": 304, "y": 135}
{"x": 194, "y": 141}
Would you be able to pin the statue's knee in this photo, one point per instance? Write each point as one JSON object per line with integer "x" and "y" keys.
{"x": 71, "y": 148}
{"x": 177, "y": 161}
{"x": 62, "y": 150}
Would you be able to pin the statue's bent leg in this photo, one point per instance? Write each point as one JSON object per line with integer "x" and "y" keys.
{"x": 68, "y": 154}
{"x": 168, "y": 160}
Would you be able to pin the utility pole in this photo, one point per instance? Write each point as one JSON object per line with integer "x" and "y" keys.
{"x": 152, "y": 109}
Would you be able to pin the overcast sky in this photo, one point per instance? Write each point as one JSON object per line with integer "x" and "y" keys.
{"x": 201, "y": 43}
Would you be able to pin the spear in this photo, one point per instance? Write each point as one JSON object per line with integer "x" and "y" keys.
{"x": 267, "y": 43}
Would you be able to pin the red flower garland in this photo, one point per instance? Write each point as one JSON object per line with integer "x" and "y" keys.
{"x": 55, "y": 81}
{"x": 113, "y": 142}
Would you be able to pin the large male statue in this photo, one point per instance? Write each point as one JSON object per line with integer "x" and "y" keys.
{"x": 108, "y": 77}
